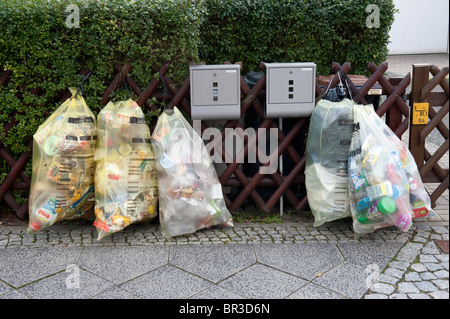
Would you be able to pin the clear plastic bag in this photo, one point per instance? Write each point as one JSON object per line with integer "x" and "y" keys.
{"x": 190, "y": 194}
{"x": 62, "y": 184}
{"x": 383, "y": 178}
{"x": 125, "y": 175}
{"x": 327, "y": 149}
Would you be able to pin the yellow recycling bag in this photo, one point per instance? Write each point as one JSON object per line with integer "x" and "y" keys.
{"x": 62, "y": 184}
{"x": 125, "y": 175}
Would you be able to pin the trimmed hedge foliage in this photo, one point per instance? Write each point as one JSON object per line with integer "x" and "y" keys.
{"x": 37, "y": 45}
{"x": 320, "y": 31}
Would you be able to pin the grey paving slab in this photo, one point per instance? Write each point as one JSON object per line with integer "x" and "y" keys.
{"x": 304, "y": 259}
{"x": 364, "y": 254}
{"x": 347, "y": 279}
{"x": 116, "y": 293}
{"x": 313, "y": 291}
{"x": 166, "y": 282}
{"x": 216, "y": 292}
{"x": 14, "y": 294}
{"x": 212, "y": 262}
{"x": 4, "y": 288}
{"x": 262, "y": 282}
{"x": 67, "y": 285}
{"x": 20, "y": 266}
{"x": 122, "y": 263}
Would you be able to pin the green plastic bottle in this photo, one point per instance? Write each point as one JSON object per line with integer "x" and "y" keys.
{"x": 383, "y": 206}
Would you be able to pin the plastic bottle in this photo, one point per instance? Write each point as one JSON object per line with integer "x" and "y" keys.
{"x": 383, "y": 206}
{"x": 357, "y": 176}
{"x": 373, "y": 164}
{"x": 401, "y": 218}
{"x": 374, "y": 192}
{"x": 44, "y": 216}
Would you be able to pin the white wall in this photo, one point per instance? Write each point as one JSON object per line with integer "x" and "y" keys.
{"x": 421, "y": 26}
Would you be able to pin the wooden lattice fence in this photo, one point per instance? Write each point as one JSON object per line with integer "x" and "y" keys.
{"x": 249, "y": 185}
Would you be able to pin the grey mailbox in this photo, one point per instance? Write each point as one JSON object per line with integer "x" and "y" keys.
{"x": 290, "y": 89}
{"x": 215, "y": 92}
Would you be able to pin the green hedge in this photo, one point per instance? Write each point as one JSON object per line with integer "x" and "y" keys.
{"x": 37, "y": 45}
{"x": 321, "y": 31}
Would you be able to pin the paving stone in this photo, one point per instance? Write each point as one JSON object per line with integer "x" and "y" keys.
{"x": 216, "y": 292}
{"x": 433, "y": 266}
{"x": 402, "y": 265}
{"x": 4, "y": 288}
{"x": 388, "y": 279}
{"x": 70, "y": 284}
{"x": 394, "y": 272}
{"x": 212, "y": 262}
{"x": 172, "y": 283}
{"x": 382, "y": 288}
{"x": 346, "y": 278}
{"x": 259, "y": 281}
{"x": 425, "y": 286}
{"x": 412, "y": 276}
{"x": 418, "y": 296}
{"x": 428, "y": 259}
{"x": 442, "y": 284}
{"x": 313, "y": 291}
{"x": 398, "y": 296}
{"x": 20, "y": 266}
{"x": 375, "y": 296}
{"x": 123, "y": 263}
{"x": 407, "y": 288}
{"x": 304, "y": 260}
{"x": 418, "y": 267}
{"x": 441, "y": 274}
{"x": 440, "y": 295}
{"x": 427, "y": 276}
{"x": 364, "y": 254}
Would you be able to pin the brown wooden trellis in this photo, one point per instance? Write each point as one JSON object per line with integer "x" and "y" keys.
{"x": 394, "y": 107}
{"x": 422, "y": 87}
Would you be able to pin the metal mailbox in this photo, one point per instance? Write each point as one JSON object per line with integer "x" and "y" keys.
{"x": 290, "y": 89}
{"x": 215, "y": 92}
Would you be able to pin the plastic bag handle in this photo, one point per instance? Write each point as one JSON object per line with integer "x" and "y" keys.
{"x": 350, "y": 90}
{"x": 84, "y": 80}
{"x": 163, "y": 80}
{"x": 125, "y": 82}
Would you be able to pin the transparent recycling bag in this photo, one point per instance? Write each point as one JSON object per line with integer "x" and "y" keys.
{"x": 62, "y": 184}
{"x": 125, "y": 175}
{"x": 327, "y": 149}
{"x": 384, "y": 182}
{"x": 190, "y": 193}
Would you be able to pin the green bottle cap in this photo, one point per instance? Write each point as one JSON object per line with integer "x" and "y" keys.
{"x": 363, "y": 220}
{"x": 386, "y": 205}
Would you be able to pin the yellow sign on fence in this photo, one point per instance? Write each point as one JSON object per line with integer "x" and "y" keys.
{"x": 420, "y": 113}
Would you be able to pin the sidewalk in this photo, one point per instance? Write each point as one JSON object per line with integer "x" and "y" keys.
{"x": 255, "y": 261}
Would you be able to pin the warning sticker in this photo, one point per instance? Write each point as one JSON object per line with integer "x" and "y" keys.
{"x": 420, "y": 113}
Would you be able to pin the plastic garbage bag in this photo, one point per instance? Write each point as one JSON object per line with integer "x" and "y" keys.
{"x": 62, "y": 184}
{"x": 190, "y": 193}
{"x": 383, "y": 177}
{"x": 125, "y": 175}
{"x": 327, "y": 149}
